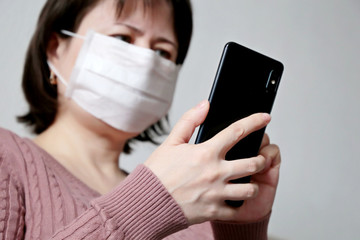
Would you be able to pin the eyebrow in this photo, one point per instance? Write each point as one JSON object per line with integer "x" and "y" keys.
{"x": 161, "y": 39}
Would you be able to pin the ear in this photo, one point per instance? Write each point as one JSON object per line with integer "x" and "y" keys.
{"x": 54, "y": 47}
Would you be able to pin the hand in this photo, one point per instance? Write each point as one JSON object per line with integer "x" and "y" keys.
{"x": 197, "y": 176}
{"x": 267, "y": 181}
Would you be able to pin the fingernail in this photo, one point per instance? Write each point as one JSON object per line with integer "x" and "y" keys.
{"x": 266, "y": 116}
{"x": 201, "y": 104}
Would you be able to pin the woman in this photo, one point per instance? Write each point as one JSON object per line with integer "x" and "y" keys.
{"x": 90, "y": 94}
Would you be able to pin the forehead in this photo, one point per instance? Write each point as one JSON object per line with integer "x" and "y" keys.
{"x": 119, "y": 8}
{"x": 148, "y": 6}
{"x": 159, "y": 12}
{"x": 149, "y": 10}
{"x": 154, "y": 18}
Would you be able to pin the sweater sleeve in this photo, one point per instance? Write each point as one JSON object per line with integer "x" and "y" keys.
{"x": 139, "y": 208}
{"x": 245, "y": 231}
{"x": 224, "y": 231}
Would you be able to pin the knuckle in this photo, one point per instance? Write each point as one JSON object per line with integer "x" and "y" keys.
{"x": 212, "y": 211}
{"x": 228, "y": 170}
{"x": 252, "y": 191}
{"x": 276, "y": 148}
{"x": 238, "y": 129}
{"x": 256, "y": 164}
{"x": 212, "y": 177}
{"x": 205, "y": 154}
{"x": 251, "y": 166}
{"x": 212, "y": 195}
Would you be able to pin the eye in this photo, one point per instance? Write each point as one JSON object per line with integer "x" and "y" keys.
{"x": 163, "y": 53}
{"x": 124, "y": 38}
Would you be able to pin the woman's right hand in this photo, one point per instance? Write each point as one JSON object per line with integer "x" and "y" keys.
{"x": 197, "y": 176}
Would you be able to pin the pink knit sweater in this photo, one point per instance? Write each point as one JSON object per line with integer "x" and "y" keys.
{"x": 40, "y": 199}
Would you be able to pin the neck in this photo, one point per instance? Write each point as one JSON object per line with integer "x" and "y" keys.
{"x": 86, "y": 153}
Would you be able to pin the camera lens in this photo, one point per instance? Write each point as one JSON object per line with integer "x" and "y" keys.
{"x": 272, "y": 82}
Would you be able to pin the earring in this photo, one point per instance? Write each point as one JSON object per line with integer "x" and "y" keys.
{"x": 53, "y": 78}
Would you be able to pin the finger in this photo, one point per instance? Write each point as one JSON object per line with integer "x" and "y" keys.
{"x": 272, "y": 155}
{"x": 185, "y": 127}
{"x": 243, "y": 167}
{"x": 238, "y": 192}
{"x": 265, "y": 141}
{"x": 231, "y": 135}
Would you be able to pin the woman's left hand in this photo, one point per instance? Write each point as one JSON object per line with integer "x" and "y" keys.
{"x": 267, "y": 180}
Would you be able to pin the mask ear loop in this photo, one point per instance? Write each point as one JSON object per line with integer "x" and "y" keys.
{"x": 71, "y": 34}
{"x": 55, "y": 74}
{"x": 52, "y": 68}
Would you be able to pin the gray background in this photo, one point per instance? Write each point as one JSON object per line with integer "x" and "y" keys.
{"x": 316, "y": 113}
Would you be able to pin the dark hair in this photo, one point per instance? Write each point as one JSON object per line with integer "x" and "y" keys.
{"x": 68, "y": 14}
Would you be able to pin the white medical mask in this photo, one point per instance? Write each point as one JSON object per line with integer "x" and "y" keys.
{"x": 128, "y": 87}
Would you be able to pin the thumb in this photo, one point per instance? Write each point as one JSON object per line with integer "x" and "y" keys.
{"x": 185, "y": 127}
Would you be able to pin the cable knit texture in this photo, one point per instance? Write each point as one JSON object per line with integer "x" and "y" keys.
{"x": 40, "y": 199}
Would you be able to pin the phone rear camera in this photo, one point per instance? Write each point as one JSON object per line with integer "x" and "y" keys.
{"x": 272, "y": 82}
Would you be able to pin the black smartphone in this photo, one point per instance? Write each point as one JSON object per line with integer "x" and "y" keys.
{"x": 246, "y": 82}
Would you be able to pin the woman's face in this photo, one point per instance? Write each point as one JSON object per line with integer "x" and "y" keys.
{"x": 149, "y": 27}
